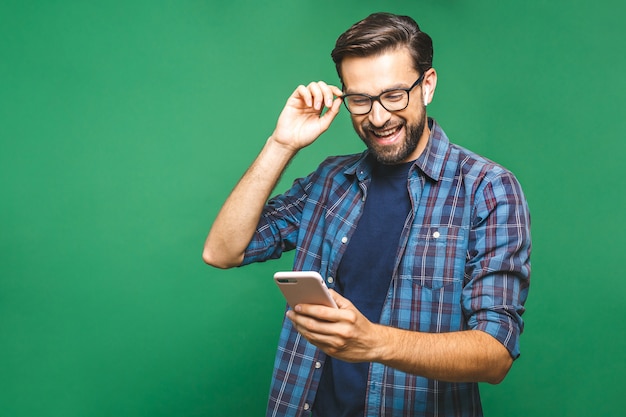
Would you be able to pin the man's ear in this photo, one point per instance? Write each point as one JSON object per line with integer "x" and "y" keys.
{"x": 428, "y": 85}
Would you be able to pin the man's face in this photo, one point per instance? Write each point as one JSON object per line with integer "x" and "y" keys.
{"x": 392, "y": 137}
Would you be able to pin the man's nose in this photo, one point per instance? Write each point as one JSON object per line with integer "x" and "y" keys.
{"x": 379, "y": 115}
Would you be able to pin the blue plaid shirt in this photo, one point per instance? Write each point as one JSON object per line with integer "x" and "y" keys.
{"x": 463, "y": 263}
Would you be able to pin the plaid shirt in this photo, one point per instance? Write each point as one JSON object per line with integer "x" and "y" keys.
{"x": 463, "y": 263}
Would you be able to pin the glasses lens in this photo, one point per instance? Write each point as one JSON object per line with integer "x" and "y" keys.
{"x": 395, "y": 100}
{"x": 358, "y": 104}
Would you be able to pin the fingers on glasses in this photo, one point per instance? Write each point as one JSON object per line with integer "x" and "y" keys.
{"x": 319, "y": 94}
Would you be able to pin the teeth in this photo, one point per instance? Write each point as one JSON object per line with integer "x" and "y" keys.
{"x": 387, "y": 132}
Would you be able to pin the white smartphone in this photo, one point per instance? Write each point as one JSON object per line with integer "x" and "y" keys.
{"x": 303, "y": 287}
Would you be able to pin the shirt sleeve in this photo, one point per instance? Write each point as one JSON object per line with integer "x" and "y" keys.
{"x": 277, "y": 230}
{"x": 498, "y": 267}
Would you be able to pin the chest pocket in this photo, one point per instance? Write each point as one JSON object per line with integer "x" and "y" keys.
{"x": 436, "y": 255}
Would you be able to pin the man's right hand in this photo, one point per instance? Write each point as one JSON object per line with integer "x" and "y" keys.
{"x": 301, "y": 122}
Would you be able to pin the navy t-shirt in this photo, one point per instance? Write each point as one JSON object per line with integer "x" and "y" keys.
{"x": 363, "y": 277}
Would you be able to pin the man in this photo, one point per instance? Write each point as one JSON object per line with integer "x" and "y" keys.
{"x": 426, "y": 244}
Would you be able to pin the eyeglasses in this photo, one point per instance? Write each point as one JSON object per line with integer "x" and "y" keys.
{"x": 391, "y": 100}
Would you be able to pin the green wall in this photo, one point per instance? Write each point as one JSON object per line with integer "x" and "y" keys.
{"x": 124, "y": 125}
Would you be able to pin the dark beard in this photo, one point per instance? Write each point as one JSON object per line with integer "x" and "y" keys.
{"x": 396, "y": 155}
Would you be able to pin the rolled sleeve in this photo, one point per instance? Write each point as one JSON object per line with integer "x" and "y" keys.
{"x": 278, "y": 227}
{"x": 498, "y": 270}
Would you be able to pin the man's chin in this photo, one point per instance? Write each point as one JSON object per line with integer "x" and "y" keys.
{"x": 387, "y": 155}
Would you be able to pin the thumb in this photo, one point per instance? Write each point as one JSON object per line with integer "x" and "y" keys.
{"x": 342, "y": 302}
{"x": 330, "y": 114}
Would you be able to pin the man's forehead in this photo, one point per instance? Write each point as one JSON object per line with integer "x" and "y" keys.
{"x": 376, "y": 73}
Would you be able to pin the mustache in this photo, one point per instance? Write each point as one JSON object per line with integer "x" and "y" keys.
{"x": 387, "y": 125}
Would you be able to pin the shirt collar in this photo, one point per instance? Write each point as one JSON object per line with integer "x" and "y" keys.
{"x": 432, "y": 160}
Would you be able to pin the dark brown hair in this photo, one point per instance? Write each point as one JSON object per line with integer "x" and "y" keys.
{"x": 380, "y": 32}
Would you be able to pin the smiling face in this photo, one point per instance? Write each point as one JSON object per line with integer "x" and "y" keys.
{"x": 392, "y": 137}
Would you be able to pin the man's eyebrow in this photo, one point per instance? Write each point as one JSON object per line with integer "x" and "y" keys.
{"x": 397, "y": 86}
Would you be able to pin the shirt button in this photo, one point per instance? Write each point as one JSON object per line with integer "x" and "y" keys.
{"x": 344, "y": 239}
{"x": 436, "y": 235}
{"x": 306, "y": 406}
{"x": 330, "y": 280}
{"x": 318, "y": 365}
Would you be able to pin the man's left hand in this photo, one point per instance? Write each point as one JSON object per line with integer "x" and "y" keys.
{"x": 343, "y": 333}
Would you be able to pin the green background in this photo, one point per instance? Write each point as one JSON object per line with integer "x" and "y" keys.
{"x": 125, "y": 124}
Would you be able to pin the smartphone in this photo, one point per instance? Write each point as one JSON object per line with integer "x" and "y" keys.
{"x": 303, "y": 287}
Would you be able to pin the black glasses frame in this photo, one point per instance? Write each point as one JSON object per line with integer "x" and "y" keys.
{"x": 377, "y": 98}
